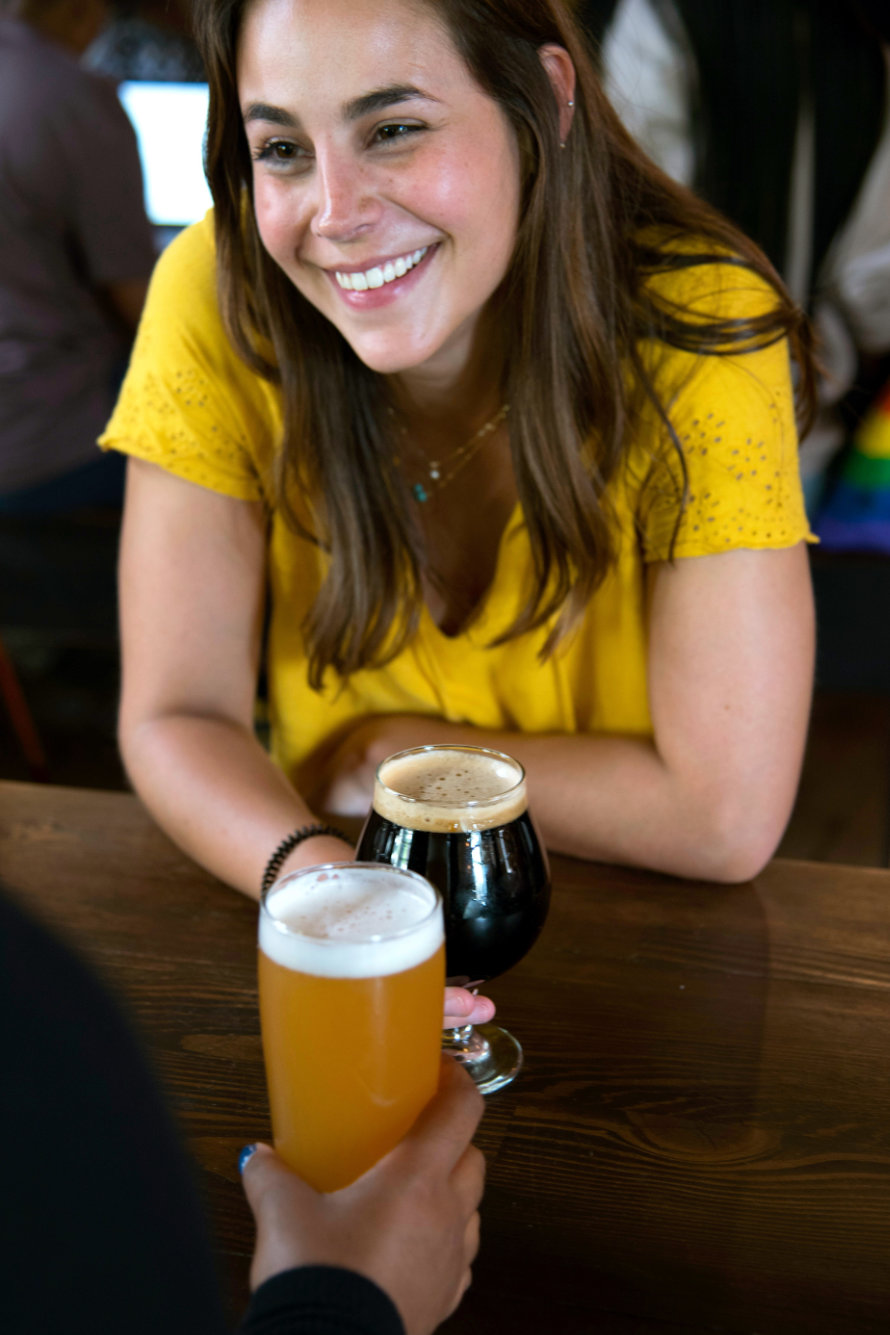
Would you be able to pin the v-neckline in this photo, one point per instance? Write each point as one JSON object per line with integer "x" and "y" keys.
{"x": 485, "y": 607}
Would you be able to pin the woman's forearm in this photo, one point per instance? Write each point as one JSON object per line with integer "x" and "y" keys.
{"x": 213, "y": 789}
{"x": 730, "y": 673}
{"x": 615, "y": 799}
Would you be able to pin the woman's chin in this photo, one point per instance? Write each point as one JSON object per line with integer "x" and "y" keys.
{"x": 394, "y": 360}
{"x": 444, "y": 358}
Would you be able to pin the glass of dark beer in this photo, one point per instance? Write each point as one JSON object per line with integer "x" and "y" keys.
{"x": 459, "y": 816}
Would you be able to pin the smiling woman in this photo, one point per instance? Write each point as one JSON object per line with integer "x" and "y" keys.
{"x": 501, "y": 422}
{"x": 423, "y": 163}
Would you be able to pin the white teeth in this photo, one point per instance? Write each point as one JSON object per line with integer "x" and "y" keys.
{"x": 378, "y": 277}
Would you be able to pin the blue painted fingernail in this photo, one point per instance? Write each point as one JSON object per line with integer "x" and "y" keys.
{"x": 244, "y": 1156}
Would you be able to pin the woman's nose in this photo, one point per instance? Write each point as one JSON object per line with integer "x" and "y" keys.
{"x": 346, "y": 203}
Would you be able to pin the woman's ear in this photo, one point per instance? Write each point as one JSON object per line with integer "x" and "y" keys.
{"x": 561, "y": 72}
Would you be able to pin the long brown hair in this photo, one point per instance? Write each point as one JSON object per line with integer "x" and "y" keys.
{"x": 597, "y": 220}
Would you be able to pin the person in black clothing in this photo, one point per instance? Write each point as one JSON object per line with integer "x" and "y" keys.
{"x": 756, "y": 62}
{"x": 776, "y": 112}
{"x": 102, "y": 1231}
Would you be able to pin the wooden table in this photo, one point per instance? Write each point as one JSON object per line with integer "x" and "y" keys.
{"x": 699, "y": 1141}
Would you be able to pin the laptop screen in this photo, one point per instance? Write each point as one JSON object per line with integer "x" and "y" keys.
{"x": 169, "y": 120}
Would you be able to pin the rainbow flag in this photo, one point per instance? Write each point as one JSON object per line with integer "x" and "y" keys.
{"x": 856, "y": 513}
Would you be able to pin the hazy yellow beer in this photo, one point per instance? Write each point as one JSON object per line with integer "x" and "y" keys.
{"x": 351, "y": 978}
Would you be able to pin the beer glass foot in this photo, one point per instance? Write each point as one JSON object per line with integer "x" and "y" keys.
{"x": 490, "y": 1054}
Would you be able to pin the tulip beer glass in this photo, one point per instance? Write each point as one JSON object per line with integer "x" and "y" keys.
{"x": 459, "y": 816}
{"x": 351, "y": 978}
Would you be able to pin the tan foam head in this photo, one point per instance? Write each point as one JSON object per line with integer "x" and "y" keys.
{"x": 444, "y": 789}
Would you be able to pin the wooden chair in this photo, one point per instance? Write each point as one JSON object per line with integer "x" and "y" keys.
{"x": 57, "y": 592}
{"x": 20, "y": 717}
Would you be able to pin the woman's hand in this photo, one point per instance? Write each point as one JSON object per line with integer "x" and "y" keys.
{"x": 463, "y": 1007}
{"x": 345, "y": 782}
{"x": 410, "y": 1224}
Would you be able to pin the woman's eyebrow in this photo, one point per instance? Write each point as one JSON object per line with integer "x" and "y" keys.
{"x": 261, "y": 111}
{"x": 381, "y": 98}
{"x": 365, "y": 105}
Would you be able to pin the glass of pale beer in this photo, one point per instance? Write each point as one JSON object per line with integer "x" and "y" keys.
{"x": 459, "y": 816}
{"x": 351, "y": 979}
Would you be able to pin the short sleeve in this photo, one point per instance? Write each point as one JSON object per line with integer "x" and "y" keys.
{"x": 188, "y": 402}
{"x": 734, "y": 422}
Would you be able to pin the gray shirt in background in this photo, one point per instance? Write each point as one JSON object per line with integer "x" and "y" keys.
{"x": 72, "y": 220}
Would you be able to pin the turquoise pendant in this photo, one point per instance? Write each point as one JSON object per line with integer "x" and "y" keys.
{"x": 420, "y": 493}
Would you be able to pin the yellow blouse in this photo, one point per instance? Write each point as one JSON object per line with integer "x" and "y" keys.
{"x": 190, "y": 405}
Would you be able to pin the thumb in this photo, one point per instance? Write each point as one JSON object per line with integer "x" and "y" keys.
{"x": 259, "y": 1167}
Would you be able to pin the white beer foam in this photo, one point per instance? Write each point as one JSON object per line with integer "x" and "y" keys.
{"x": 320, "y": 922}
{"x": 444, "y": 789}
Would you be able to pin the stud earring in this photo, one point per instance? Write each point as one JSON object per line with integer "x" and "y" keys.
{"x": 563, "y": 142}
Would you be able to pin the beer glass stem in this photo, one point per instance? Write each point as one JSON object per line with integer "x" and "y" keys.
{"x": 465, "y": 1044}
{"x": 491, "y": 1055}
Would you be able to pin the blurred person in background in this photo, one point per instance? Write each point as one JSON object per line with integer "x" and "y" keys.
{"x": 147, "y": 39}
{"x": 76, "y": 252}
{"x": 778, "y": 113}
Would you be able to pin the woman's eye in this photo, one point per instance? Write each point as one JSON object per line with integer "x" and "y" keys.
{"x": 279, "y": 153}
{"x": 397, "y": 130}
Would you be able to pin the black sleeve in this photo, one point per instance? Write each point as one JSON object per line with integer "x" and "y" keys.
{"x": 101, "y": 1231}
{"x": 100, "y": 1227}
{"x": 321, "y": 1300}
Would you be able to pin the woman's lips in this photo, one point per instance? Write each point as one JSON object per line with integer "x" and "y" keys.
{"x": 380, "y": 289}
{"x": 379, "y": 275}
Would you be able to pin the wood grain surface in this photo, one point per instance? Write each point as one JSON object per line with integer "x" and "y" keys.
{"x": 698, "y": 1141}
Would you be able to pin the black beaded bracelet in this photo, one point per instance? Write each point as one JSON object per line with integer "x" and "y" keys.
{"x": 289, "y": 843}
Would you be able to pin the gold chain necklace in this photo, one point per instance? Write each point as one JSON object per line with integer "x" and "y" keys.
{"x": 439, "y": 472}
